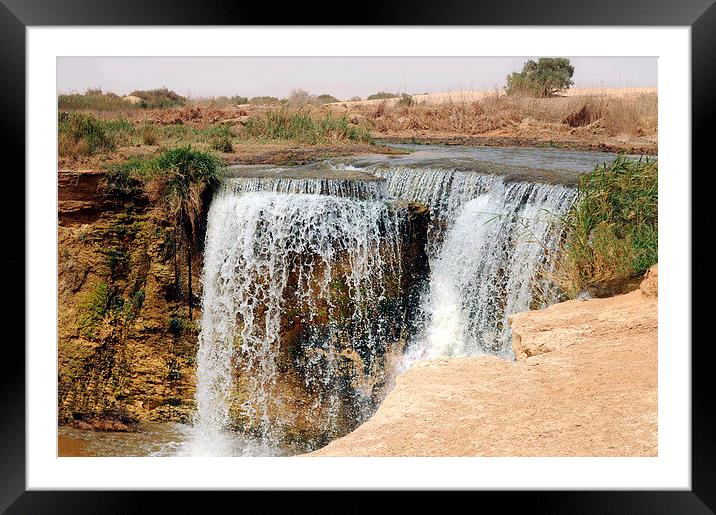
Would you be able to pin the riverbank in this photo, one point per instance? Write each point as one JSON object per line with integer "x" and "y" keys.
{"x": 584, "y": 384}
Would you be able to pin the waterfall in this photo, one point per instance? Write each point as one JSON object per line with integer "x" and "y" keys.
{"x": 299, "y": 309}
{"x": 488, "y": 245}
{"x": 316, "y": 291}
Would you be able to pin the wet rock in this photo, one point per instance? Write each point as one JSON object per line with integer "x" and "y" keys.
{"x": 613, "y": 287}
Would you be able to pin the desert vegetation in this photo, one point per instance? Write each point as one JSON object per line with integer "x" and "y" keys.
{"x": 158, "y": 98}
{"x": 300, "y": 97}
{"x": 83, "y": 134}
{"x": 96, "y": 100}
{"x": 93, "y": 99}
{"x": 302, "y": 127}
{"x": 589, "y": 118}
{"x": 264, "y": 100}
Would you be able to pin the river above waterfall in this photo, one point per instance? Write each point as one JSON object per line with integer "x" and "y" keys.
{"x": 518, "y": 163}
{"x": 323, "y": 281}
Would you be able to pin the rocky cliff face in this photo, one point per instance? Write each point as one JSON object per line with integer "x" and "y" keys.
{"x": 126, "y": 344}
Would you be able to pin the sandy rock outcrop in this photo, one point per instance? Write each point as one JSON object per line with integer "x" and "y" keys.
{"x": 584, "y": 384}
{"x": 578, "y": 322}
{"x": 650, "y": 285}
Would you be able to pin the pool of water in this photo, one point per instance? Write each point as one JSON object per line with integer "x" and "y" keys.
{"x": 159, "y": 439}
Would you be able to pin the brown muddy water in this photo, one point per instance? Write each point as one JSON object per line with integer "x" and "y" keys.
{"x": 151, "y": 439}
{"x": 160, "y": 439}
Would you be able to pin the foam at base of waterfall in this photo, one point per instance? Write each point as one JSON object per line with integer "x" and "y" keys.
{"x": 202, "y": 442}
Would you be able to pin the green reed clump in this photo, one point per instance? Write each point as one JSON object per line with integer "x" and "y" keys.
{"x": 612, "y": 229}
{"x": 222, "y": 139}
{"x": 301, "y": 126}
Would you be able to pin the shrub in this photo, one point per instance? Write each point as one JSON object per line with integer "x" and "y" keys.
{"x": 263, "y": 100}
{"x": 612, "y": 229}
{"x": 223, "y": 101}
{"x": 120, "y": 179}
{"x": 222, "y": 139}
{"x": 300, "y": 97}
{"x": 543, "y": 78}
{"x": 325, "y": 98}
{"x": 381, "y": 95}
{"x": 182, "y": 167}
{"x": 93, "y": 100}
{"x": 159, "y": 98}
{"x": 176, "y": 182}
{"x": 405, "y": 100}
{"x": 83, "y": 134}
{"x": 149, "y": 135}
{"x": 238, "y": 100}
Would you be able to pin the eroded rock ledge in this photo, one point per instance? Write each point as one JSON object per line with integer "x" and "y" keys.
{"x": 584, "y": 384}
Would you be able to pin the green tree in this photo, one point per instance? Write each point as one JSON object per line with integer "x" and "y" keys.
{"x": 542, "y": 78}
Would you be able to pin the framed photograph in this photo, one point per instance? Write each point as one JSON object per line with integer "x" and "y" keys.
{"x": 449, "y": 252}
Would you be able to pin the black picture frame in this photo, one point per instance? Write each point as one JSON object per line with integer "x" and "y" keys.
{"x": 16, "y": 15}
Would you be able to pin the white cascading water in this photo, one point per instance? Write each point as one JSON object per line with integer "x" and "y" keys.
{"x": 269, "y": 251}
{"x": 337, "y": 187}
{"x": 488, "y": 242}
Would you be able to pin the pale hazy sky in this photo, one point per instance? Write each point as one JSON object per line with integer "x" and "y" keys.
{"x": 342, "y": 77}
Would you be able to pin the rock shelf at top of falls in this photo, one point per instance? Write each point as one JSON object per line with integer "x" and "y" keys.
{"x": 316, "y": 179}
{"x": 314, "y": 171}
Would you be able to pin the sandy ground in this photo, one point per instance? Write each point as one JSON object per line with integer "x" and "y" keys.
{"x": 475, "y": 95}
{"x": 584, "y": 384}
